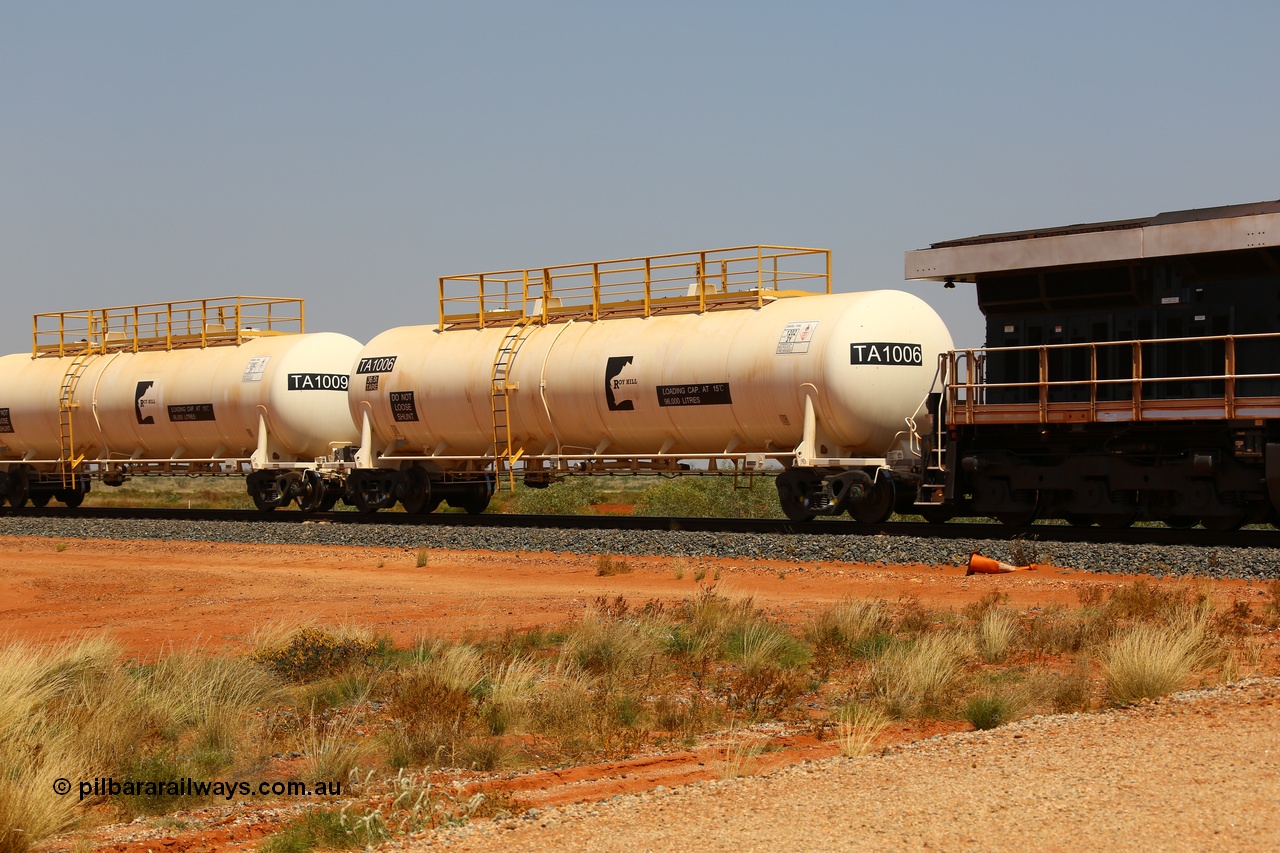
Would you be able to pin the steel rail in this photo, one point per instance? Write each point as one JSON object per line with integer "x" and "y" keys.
{"x": 1249, "y": 538}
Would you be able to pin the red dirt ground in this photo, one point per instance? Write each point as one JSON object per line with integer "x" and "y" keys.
{"x": 150, "y": 595}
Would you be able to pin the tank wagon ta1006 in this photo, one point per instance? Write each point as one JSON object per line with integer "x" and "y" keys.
{"x": 725, "y": 359}
{"x": 214, "y": 386}
{"x": 1132, "y": 371}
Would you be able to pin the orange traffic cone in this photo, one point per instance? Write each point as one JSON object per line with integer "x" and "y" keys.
{"x": 980, "y": 565}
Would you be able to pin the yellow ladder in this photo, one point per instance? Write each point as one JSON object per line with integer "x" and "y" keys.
{"x": 66, "y": 403}
{"x": 504, "y": 457}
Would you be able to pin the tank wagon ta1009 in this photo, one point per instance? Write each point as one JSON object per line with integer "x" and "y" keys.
{"x": 213, "y": 386}
{"x": 1132, "y": 371}
{"x": 727, "y": 359}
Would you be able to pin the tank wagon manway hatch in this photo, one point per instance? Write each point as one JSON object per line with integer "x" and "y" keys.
{"x": 523, "y": 300}
{"x": 72, "y": 344}
{"x": 1130, "y": 370}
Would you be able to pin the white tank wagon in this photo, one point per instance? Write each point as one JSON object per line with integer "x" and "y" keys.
{"x": 215, "y": 386}
{"x": 649, "y": 365}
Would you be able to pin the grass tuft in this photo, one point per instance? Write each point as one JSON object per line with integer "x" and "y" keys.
{"x": 1147, "y": 661}
{"x": 997, "y": 630}
{"x": 860, "y": 725}
{"x": 991, "y": 709}
{"x": 607, "y": 566}
{"x": 917, "y": 675}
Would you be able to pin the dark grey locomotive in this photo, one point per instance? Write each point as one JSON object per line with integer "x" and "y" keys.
{"x": 1132, "y": 371}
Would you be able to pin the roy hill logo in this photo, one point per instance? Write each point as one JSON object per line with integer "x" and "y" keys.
{"x": 146, "y": 402}
{"x": 621, "y": 387}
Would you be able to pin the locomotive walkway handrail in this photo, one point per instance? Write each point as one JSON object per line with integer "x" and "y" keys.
{"x": 220, "y": 321}
{"x": 1067, "y": 389}
{"x": 683, "y": 282}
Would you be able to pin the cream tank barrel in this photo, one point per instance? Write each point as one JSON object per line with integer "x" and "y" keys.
{"x": 722, "y": 381}
{"x": 184, "y": 403}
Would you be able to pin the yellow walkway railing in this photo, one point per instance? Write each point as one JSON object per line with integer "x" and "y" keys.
{"x": 687, "y": 282}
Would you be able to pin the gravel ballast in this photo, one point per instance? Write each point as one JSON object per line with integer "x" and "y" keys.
{"x": 1160, "y": 561}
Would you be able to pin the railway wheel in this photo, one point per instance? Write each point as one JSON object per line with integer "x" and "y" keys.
{"x": 329, "y": 500}
{"x": 417, "y": 492}
{"x": 878, "y": 504}
{"x": 19, "y": 488}
{"x": 935, "y": 514}
{"x": 794, "y": 488}
{"x": 1181, "y": 522}
{"x": 1077, "y": 520}
{"x": 40, "y": 499}
{"x": 364, "y": 504}
{"x": 311, "y": 491}
{"x": 71, "y": 497}
{"x": 476, "y": 499}
{"x": 267, "y": 489}
{"x": 262, "y": 503}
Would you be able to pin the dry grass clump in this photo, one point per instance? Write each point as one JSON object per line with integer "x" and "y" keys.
{"x": 607, "y": 566}
{"x": 918, "y": 675}
{"x": 1148, "y": 660}
{"x": 706, "y": 622}
{"x": 331, "y": 749}
{"x": 860, "y": 724}
{"x": 76, "y": 711}
{"x": 614, "y": 646}
{"x": 509, "y": 689}
{"x": 434, "y": 703}
{"x": 35, "y": 745}
{"x": 997, "y": 631}
{"x": 849, "y": 630}
{"x": 741, "y": 756}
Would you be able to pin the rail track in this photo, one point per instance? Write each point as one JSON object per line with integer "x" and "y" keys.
{"x": 1153, "y": 535}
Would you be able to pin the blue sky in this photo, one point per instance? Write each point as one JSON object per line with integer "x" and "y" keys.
{"x": 351, "y": 153}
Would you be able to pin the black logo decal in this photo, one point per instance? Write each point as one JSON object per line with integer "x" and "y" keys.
{"x": 403, "y": 407}
{"x": 192, "y": 412}
{"x": 143, "y": 399}
{"x": 621, "y": 388}
{"x": 910, "y": 355}
{"x": 378, "y": 364}
{"x": 318, "y": 381}
{"x": 702, "y": 394}
{"x": 5, "y": 424}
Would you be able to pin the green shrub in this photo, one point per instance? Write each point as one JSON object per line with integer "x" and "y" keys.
{"x": 571, "y": 496}
{"x": 707, "y": 496}
{"x": 322, "y": 829}
{"x": 989, "y": 710}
